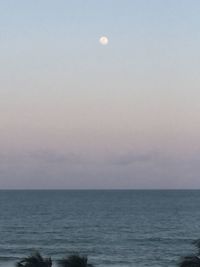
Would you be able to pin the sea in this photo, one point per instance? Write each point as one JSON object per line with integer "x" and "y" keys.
{"x": 111, "y": 227}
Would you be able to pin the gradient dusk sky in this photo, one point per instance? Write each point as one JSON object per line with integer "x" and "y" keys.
{"x": 77, "y": 114}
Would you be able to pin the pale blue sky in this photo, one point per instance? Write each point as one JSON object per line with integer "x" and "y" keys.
{"x": 76, "y": 114}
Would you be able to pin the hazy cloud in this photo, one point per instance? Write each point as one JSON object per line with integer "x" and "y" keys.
{"x": 132, "y": 158}
{"x": 59, "y": 169}
{"x": 50, "y": 156}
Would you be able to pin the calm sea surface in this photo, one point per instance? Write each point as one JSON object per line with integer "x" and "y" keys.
{"x": 114, "y": 228}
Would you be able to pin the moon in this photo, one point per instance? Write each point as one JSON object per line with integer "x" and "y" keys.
{"x": 103, "y": 40}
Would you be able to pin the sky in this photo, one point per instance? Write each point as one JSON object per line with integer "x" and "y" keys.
{"x": 75, "y": 114}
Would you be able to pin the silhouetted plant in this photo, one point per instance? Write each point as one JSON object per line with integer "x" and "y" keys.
{"x": 74, "y": 260}
{"x": 35, "y": 260}
{"x": 192, "y": 260}
{"x": 197, "y": 245}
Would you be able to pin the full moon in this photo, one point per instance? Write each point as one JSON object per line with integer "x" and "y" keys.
{"x": 103, "y": 40}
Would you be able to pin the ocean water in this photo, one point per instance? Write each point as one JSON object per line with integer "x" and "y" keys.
{"x": 114, "y": 228}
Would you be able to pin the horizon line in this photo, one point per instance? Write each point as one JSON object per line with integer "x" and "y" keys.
{"x": 100, "y": 189}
